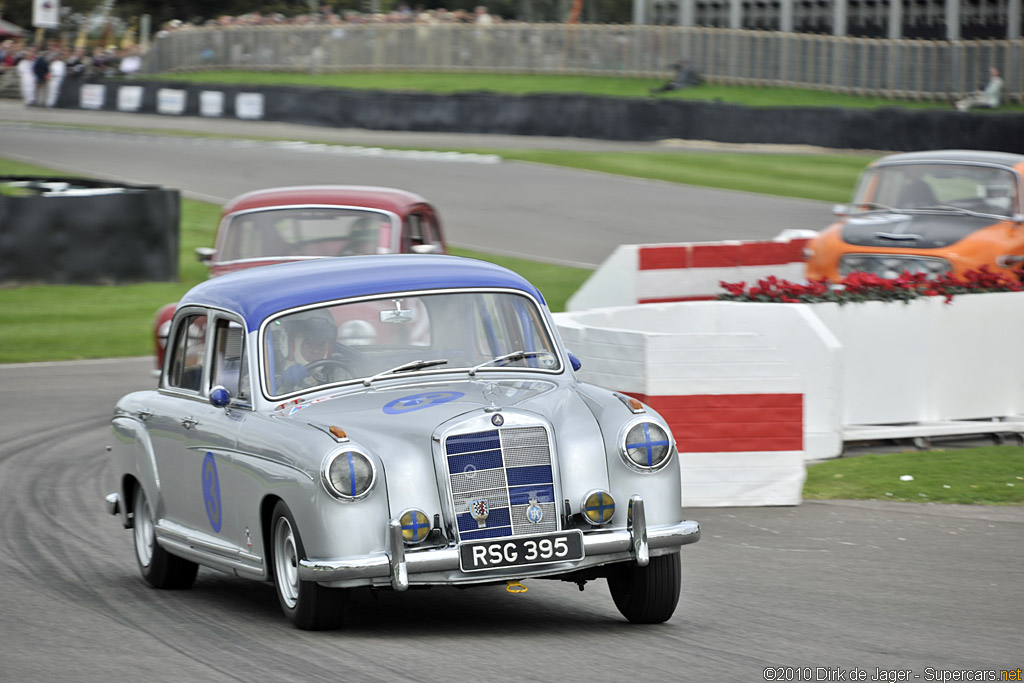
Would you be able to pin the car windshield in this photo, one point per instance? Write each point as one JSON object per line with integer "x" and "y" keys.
{"x": 971, "y": 187}
{"x": 304, "y": 233}
{"x": 389, "y": 337}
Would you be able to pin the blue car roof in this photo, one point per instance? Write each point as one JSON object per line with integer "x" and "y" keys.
{"x": 260, "y": 292}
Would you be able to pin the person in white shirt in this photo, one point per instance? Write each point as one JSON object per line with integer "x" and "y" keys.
{"x": 58, "y": 69}
{"x": 131, "y": 62}
{"x": 990, "y": 97}
{"x": 27, "y": 76}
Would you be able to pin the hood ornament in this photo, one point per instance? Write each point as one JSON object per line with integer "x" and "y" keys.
{"x": 491, "y": 392}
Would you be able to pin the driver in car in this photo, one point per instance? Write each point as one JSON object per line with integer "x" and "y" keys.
{"x": 310, "y": 338}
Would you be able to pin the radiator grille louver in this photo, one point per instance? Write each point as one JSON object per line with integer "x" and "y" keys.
{"x": 509, "y": 468}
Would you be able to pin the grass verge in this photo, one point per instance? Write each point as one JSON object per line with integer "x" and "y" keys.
{"x": 68, "y": 322}
{"x": 992, "y": 475}
{"x": 524, "y": 84}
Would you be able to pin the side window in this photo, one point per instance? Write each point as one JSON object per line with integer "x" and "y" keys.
{"x": 188, "y": 351}
{"x": 416, "y": 228}
{"x": 229, "y": 366}
{"x": 429, "y": 231}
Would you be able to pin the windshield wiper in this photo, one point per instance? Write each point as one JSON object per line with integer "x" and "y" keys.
{"x": 508, "y": 358}
{"x": 960, "y": 209}
{"x": 868, "y": 207}
{"x": 406, "y": 367}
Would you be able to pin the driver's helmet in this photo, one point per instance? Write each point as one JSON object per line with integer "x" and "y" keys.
{"x": 362, "y": 238}
{"x": 311, "y": 336}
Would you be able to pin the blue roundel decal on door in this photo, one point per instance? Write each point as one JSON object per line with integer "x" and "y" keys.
{"x": 211, "y": 492}
{"x": 407, "y": 404}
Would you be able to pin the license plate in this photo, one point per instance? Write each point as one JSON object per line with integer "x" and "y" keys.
{"x": 521, "y": 551}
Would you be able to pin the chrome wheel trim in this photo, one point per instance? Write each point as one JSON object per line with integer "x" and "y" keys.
{"x": 143, "y": 529}
{"x": 286, "y": 563}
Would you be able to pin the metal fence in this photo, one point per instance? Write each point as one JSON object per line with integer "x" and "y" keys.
{"x": 899, "y": 69}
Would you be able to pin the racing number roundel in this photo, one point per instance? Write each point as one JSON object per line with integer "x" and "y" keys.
{"x": 211, "y": 492}
{"x": 413, "y": 402}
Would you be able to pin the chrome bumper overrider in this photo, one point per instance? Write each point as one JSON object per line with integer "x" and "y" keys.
{"x": 600, "y": 546}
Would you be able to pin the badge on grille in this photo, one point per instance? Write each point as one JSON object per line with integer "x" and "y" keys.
{"x": 534, "y": 513}
{"x": 479, "y": 509}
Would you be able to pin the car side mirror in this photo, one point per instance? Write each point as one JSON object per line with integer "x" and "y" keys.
{"x": 220, "y": 396}
{"x": 840, "y": 209}
{"x": 574, "y": 361}
{"x": 205, "y": 254}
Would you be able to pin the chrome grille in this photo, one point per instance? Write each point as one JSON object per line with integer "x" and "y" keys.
{"x": 509, "y": 468}
{"x": 892, "y": 265}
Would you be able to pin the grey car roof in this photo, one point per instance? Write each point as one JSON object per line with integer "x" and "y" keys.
{"x": 953, "y": 156}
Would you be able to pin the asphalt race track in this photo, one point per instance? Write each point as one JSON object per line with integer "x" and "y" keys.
{"x": 841, "y": 585}
{"x": 514, "y": 208}
{"x": 845, "y": 584}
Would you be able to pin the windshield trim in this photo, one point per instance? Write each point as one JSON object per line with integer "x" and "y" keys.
{"x": 545, "y": 319}
{"x": 871, "y": 172}
{"x": 225, "y": 222}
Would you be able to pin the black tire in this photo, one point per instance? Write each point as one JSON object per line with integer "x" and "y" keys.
{"x": 307, "y": 604}
{"x": 647, "y": 595}
{"x": 158, "y": 567}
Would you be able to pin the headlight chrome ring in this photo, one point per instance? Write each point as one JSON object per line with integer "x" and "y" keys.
{"x": 646, "y": 446}
{"x": 349, "y": 474}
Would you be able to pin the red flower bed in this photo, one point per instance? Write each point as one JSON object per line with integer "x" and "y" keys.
{"x": 867, "y": 287}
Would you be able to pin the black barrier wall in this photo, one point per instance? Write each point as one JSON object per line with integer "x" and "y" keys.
{"x": 605, "y": 118}
{"x": 90, "y": 232}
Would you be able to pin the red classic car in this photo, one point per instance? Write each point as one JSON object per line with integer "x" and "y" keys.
{"x": 283, "y": 224}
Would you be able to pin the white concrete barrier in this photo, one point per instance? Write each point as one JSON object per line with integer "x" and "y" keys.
{"x": 659, "y": 273}
{"x": 753, "y": 390}
{"x": 729, "y": 377}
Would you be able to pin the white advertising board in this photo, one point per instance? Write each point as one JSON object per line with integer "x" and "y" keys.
{"x": 170, "y": 101}
{"x": 211, "y": 103}
{"x": 92, "y": 95}
{"x": 129, "y": 98}
{"x": 249, "y": 105}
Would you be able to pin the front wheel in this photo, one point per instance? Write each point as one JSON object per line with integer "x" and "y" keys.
{"x": 158, "y": 567}
{"x": 307, "y": 604}
{"x": 647, "y": 595}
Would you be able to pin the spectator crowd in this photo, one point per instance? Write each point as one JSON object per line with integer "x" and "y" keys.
{"x": 41, "y": 70}
{"x": 328, "y": 16}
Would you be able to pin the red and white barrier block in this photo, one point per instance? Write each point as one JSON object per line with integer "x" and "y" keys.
{"x": 659, "y": 273}
{"x": 728, "y": 379}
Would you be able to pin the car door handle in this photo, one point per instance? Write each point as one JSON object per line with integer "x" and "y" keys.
{"x": 145, "y": 414}
{"x": 189, "y": 422}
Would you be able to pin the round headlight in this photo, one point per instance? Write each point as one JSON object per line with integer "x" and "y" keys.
{"x": 598, "y": 507}
{"x": 415, "y": 525}
{"x": 349, "y": 474}
{"x": 647, "y": 446}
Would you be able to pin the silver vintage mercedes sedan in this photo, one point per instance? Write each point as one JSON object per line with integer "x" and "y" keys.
{"x": 387, "y": 422}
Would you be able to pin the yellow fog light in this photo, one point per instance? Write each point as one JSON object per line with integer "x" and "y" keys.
{"x": 598, "y": 507}
{"x": 415, "y": 526}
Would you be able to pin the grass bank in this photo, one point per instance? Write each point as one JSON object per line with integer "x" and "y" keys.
{"x": 525, "y": 84}
{"x": 67, "y": 322}
{"x": 991, "y": 475}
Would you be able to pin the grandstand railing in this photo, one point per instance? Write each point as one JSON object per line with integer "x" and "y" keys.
{"x": 897, "y": 69}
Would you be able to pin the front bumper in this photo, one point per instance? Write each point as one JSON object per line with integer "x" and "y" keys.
{"x": 440, "y": 566}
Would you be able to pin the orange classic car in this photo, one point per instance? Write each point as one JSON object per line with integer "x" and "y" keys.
{"x": 933, "y": 212}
